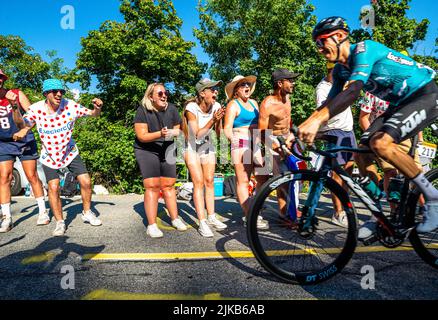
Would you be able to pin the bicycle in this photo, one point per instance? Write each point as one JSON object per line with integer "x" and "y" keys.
{"x": 323, "y": 247}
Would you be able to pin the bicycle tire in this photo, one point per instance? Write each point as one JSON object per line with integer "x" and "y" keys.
{"x": 267, "y": 257}
{"x": 425, "y": 245}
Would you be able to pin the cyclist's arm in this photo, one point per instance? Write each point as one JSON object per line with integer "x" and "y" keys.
{"x": 339, "y": 103}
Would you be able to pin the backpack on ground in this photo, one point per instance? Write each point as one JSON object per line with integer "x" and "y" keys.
{"x": 185, "y": 191}
{"x": 69, "y": 185}
{"x": 230, "y": 187}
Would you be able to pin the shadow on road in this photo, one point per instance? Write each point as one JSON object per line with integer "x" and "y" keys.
{"x": 36, "y": 273}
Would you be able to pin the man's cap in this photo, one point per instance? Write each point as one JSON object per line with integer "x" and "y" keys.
{"x": 3, "y": 75}
{"x": 52, "y": 84}
{"x": 206, "y": 83}
{"x": 283, "y": 73}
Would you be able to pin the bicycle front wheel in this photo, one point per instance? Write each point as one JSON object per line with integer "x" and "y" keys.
{"x": 426, "y": 245}
{"x": 311, "y": 248}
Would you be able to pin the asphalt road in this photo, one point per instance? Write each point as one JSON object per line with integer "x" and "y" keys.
{"x": 118, "y": 261}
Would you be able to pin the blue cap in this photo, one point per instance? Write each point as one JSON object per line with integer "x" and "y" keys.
{"x": 52, "y": 84}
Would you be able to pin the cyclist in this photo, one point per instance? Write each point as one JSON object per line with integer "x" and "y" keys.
{"x": 17, "y": 141}
{"x": 407, "y": 85}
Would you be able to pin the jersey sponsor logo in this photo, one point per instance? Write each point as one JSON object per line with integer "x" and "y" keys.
{"x": 67, "y": 127}
{"x": 360, "y": 73}
{"x": 360, "y": 48}
{"x": 412, "y": 122}
{"x": 400, "y": 60}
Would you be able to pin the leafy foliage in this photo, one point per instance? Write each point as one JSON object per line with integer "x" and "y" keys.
{"x": 256, "y": 37}
{"x": 126, "y": 57}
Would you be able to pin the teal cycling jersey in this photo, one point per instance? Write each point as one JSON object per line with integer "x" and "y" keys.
{"x": 386, "y": 73}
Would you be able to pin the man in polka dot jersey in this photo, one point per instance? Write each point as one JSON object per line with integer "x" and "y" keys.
{"x": 55, "y": 118}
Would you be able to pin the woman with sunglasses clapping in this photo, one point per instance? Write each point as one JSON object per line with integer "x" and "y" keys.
{"x": 202, "y": 115}
{"x": 156, "y": 123}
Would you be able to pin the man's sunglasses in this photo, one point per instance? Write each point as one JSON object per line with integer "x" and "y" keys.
{"x": 55, "y": 91}
{"x": 321, "y": 39}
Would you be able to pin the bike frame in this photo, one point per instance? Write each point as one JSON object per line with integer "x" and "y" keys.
{"x": 330, "y": 164}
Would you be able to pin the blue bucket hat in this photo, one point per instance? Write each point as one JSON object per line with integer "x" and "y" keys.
{"x": 52, "y": 84}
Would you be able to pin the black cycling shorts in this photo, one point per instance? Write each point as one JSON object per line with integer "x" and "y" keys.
{"x": 155, "y": 165}
{"x": 77, "y": 167}
{"x": 405, "y": 121}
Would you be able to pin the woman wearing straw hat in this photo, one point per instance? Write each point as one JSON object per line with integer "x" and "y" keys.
{"x": 241, "y": 118}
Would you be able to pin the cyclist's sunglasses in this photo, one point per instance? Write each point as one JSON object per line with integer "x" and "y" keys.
{"x": 55, "y": 91}
{"x": 321, "y": 39}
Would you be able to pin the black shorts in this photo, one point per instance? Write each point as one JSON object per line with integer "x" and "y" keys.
{"x": 406, "y": 120}
{"x": 77, "y": 167}
{"x": 155, "y": 165}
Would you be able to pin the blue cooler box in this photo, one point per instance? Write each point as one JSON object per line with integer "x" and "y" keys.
{"x": 218, "y": 186}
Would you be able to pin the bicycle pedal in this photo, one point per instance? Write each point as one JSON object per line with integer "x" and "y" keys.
{"x": 370, "y": 240}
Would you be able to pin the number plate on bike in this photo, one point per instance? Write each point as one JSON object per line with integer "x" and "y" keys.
{"x": 427, "y": 150}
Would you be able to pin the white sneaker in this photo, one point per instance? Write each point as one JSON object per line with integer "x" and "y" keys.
{"x": 5, "y": 224}
{"x": 153, "y": 231}
{"x": 60, "y": 229}
{"x": 91, "y": 218}
{"x": 430, "y": 218}
{"x": 340, "y": 219}
{"x": 367, "y": 229}
{"x": 43, "y": 219}
{"x": 213, "y": 220}
{"x": 179, "y": 225}
{"x": 262, "y": 224}
{"x": 205, "y": 230}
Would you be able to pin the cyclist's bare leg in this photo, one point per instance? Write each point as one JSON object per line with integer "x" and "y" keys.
{"x": 366, "y": 166}
{"x": 383, "y": 145}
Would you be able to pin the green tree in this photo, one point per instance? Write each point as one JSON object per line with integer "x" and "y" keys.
{"x": 126, "y": 57}
{"x": 392, "y": 26}
{"x": 26, "y": 69}
{"x": 256, "y": 37}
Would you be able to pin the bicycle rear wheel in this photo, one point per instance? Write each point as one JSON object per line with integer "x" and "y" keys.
{"x": 426, "y": 244}
{"x": 284, "y": 249}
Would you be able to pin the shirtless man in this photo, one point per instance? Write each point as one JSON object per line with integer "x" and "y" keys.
{"x": 275, "y": 121}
